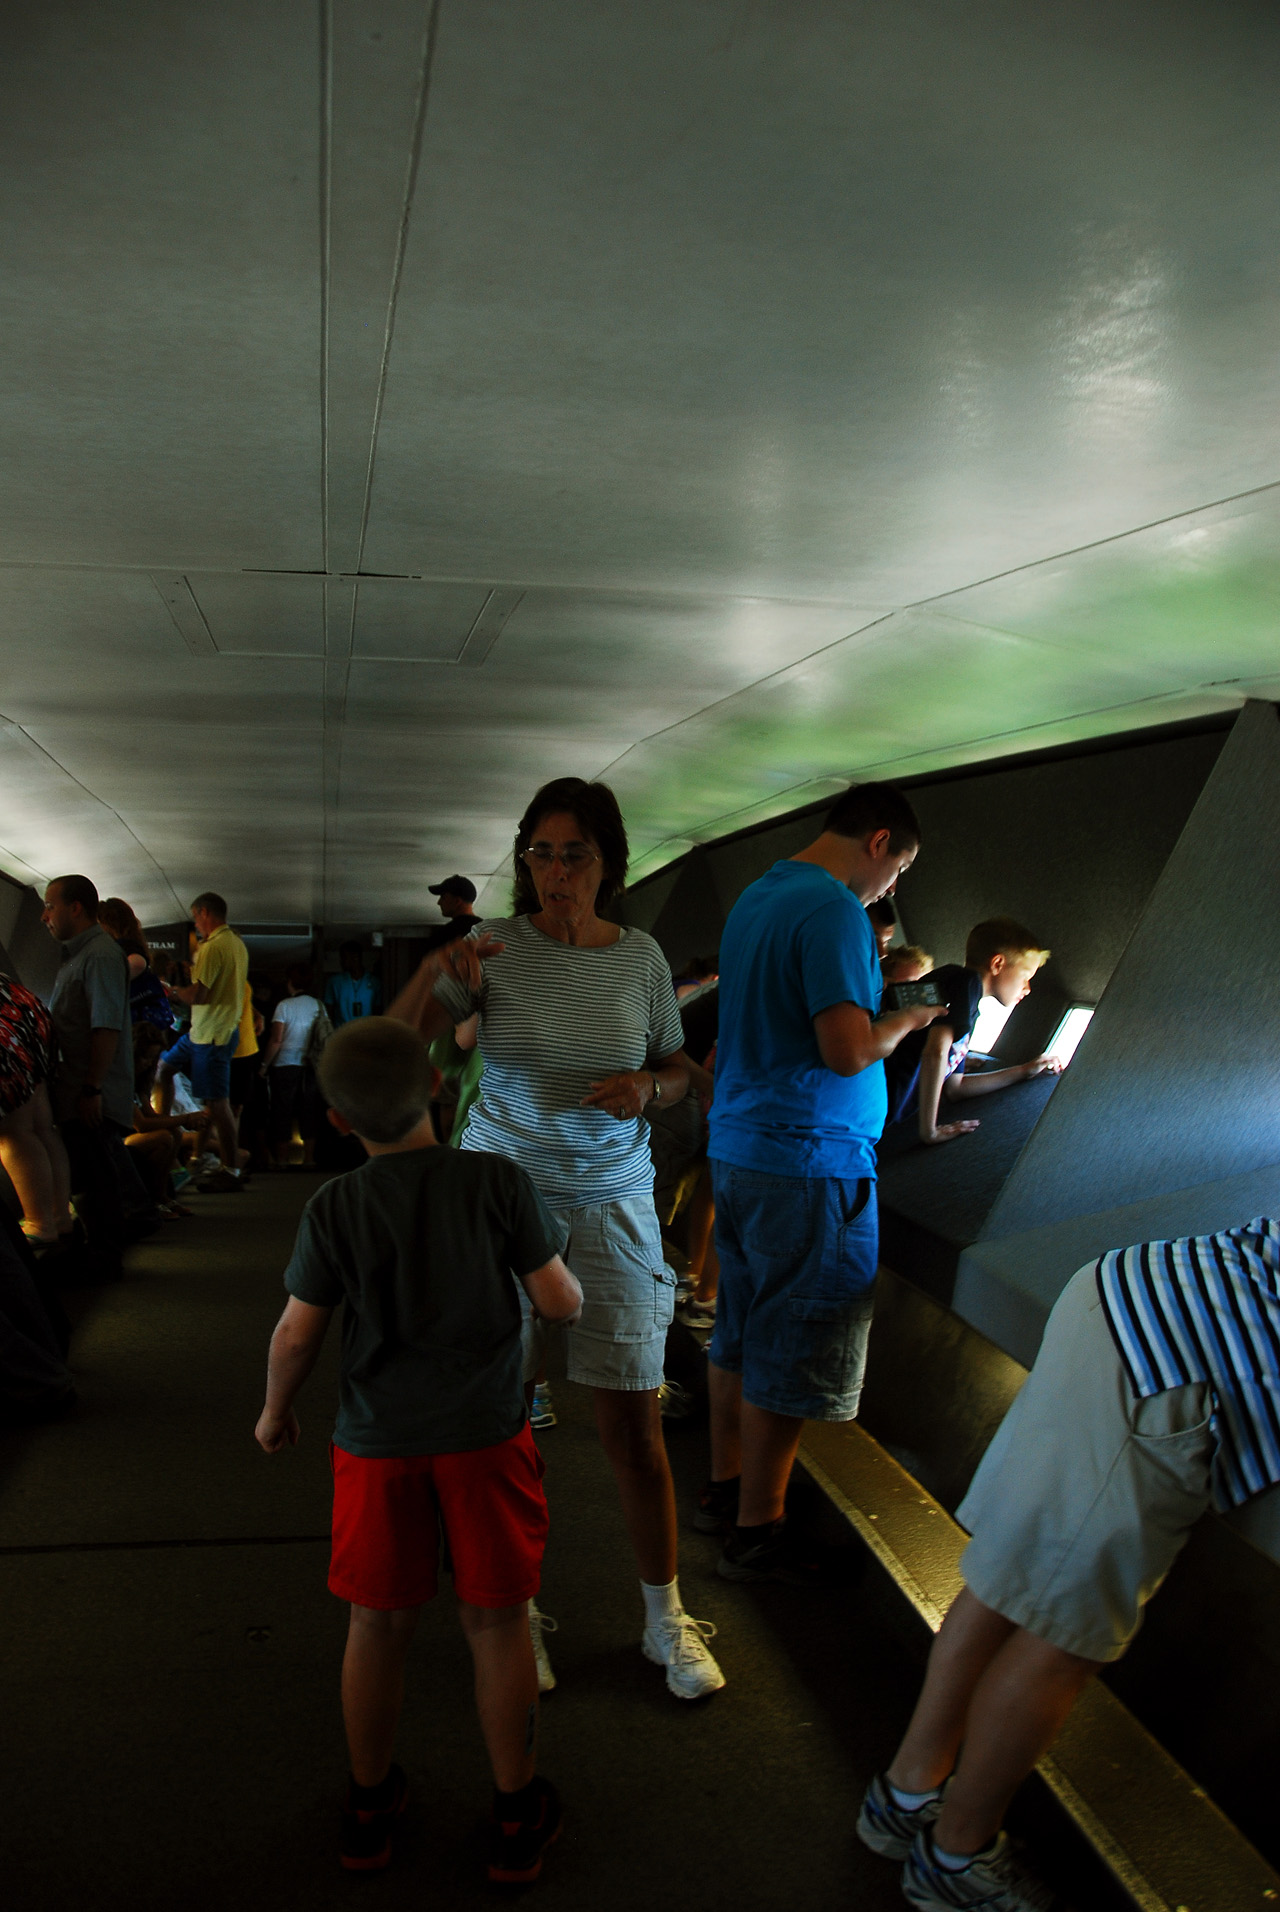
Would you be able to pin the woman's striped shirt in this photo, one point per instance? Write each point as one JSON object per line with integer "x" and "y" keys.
{"x": 553, "y": 1020}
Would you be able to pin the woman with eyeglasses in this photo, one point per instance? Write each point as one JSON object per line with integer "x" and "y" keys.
{"x": 579, "y": 1030}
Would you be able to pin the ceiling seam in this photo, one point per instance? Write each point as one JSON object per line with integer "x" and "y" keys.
{"x": 25, "y": 734}
{"x": 744, "y": 689}
{"x": 338, "y": 670}
{"x": 397, "y": 270}
{"x": 1096, "y": 544}
{"x": 326, "y": 260}
{"x": 326, "y": 271}
{"x": 15, "y": 858}
{"x": 621, "y": 590}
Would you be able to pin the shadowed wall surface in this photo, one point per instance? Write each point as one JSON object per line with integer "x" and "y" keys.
{"x": 1175, "y": 1081}
{"x": 1072, "y": 845}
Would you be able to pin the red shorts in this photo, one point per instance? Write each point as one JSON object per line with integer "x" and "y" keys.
{"x": 390, "y": 1516}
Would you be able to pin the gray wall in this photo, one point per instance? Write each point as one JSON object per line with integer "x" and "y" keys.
{"x": 1177, "y": 1081}
{"x": 1072, "y": 845}
{"x": 27, "y": 950}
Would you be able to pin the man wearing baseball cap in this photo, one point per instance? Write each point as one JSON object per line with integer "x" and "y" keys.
{"x": 457, "y": 894}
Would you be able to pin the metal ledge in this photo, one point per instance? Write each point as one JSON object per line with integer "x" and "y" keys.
{"x": 1158, "y": 1833}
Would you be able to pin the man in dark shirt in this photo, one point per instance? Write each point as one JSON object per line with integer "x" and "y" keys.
{"x": 422, "y": 1248}
{"x": 92, "y": 1084}
{"x": 457, "y": 894}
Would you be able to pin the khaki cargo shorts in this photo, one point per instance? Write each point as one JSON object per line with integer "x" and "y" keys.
{"x": 1086, "y": 1495}
{"x": 628, "y": 1297}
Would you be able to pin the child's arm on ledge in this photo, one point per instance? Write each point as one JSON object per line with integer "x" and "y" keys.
{"x": 933, "y": 1081}
{"x": 960, "y": 1085}
{"x": 295, "y": 1348}
{"x": 554, "y": 1292}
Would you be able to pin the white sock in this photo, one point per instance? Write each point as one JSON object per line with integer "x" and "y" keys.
{"x": 660, "y": 1603}
{"x": 912, "y": 1802}
{"x": 956, "y": 1861}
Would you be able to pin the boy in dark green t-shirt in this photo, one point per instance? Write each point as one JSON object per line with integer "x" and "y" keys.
{"x": 419, "y": 1246}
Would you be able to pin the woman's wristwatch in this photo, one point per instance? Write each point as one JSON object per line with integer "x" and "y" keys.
{"x": 657, "y": 1085}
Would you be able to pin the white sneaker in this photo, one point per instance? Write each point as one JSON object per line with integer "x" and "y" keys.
{"x": 540, "y": 1623}
{"x": 680, "y": 1644}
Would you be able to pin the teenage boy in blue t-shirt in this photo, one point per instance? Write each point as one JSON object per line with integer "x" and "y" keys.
{"x": 799, "y": 1105}
{"x": 420, "y": 1246}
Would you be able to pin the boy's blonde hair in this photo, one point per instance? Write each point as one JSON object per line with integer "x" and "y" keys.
{"x": 1001, "y": 936}
{"x": 907, "y": 953}
{"x": 378, "y": 1074}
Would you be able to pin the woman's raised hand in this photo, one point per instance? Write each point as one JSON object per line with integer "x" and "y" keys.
{"x": 622, "y": 1096}
{"x": 462, "y": 959}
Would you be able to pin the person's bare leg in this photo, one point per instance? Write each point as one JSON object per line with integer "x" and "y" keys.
{"x": 55, "y": 1149}
{"x": 725, "y": 1394}
{"x": 631, "y": 1433}
{"x": 704, "y": 1263}
{"x": 153, "y": 1153}
{"x": 970, "y": 1638}
{"x": 769, "y": 1443}
{"x": 1002, "y": 1693}
{"x": 224, "y": 1127}
{"x": 373, "y": 1687}
{"x": 506, "y": 1689}
{"x": 162, "y": 1093}
{"x": 26, "y": 1162}
{"x": 1016, "y": 1713}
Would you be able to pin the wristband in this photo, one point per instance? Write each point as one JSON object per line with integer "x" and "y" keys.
{"x": 657, "y": 1086}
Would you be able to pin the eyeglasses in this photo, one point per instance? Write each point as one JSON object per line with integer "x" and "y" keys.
{"x": 539, "y": 857}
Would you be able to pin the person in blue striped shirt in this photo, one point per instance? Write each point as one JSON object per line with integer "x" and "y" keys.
{"x": 1155, "y": 1395}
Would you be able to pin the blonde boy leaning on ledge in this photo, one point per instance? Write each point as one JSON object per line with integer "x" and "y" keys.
{"x": 1000, "y": 959}
{"x": 423, "y": 1247}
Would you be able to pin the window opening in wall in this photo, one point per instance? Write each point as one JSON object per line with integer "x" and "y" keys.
{"x": 991, "y": 1019}
{"x": 1066, "y": 1036}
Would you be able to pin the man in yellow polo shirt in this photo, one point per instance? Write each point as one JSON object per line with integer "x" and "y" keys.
{"x": 216, "y": 996}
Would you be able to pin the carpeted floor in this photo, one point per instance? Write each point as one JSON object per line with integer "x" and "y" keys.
{"x": 169, "y": 1685}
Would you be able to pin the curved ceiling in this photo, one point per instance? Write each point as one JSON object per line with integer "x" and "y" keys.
{"x": 404, "y": 404}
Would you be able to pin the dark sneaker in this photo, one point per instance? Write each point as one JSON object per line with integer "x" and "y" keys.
{"x": 717, "y": 1507}
{"x": 771, "y": 1556}
{"x": 995, "y": 1880}
{"x": 516, "y": 1846}
{"x": 364, "y": 1839}
{"x": 888, "y": 1828}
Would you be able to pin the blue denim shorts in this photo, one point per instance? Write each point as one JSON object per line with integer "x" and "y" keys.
{"x": 206, "y": 1065}
{"x": 797, "y": 1288}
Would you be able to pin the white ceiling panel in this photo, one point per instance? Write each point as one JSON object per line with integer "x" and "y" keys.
{"x": 401, "y": 405}
{"x": 415, "y": 620}
{"x": 159, "y": 211}
{"x": 261, "y": 616}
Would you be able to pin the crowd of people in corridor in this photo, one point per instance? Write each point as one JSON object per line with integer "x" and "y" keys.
{"x": 584, "y": 1053}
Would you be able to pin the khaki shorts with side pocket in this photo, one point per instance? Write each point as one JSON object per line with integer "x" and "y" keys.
{"x": 1086, "y": 1495}
{"x": 628, "y": 1297}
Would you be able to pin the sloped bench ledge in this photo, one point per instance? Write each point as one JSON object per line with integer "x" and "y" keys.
{"x": 1159, "y": 1834}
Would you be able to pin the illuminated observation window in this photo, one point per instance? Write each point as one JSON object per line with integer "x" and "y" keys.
{"x": 1066, "y": 1036}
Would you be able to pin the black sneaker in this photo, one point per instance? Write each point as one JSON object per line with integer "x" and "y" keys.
{"x": 516, "y": 1846}
{"x": 765, "y": 1554}
{"x": 364, "y": 1838}
{"x": 717, "y": 1507}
